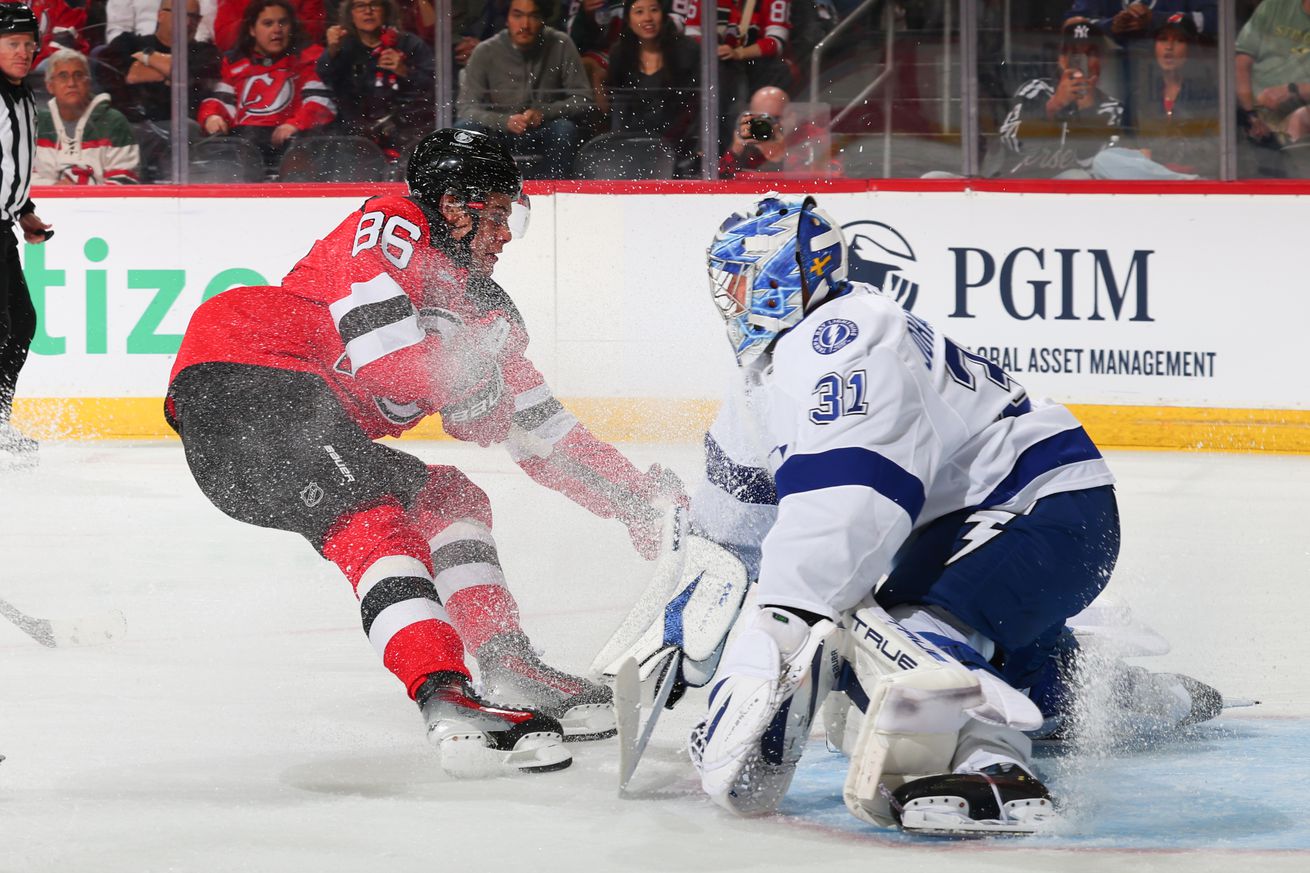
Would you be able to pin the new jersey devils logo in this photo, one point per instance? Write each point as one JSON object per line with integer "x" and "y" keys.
{"x": 268, "y": 93}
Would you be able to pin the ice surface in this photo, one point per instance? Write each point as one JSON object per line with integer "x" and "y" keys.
{"x": 244, "y": 723}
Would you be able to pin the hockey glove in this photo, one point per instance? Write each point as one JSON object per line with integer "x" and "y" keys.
{"x": 476, "y": 409}
{"x": 657, "y": 491}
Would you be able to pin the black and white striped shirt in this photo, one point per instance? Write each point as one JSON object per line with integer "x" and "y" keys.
{"x": 17, "y": 148}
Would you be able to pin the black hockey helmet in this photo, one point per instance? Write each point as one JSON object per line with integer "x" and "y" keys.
{"x": 465, "y": 163}
{"x": 17, "y": 18}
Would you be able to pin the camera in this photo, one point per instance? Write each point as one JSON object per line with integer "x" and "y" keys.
{"x": 758, "y": 128}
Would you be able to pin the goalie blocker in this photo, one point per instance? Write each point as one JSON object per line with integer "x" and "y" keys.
{"x": 693, "y": 599}
{"x": 672, "y": 637}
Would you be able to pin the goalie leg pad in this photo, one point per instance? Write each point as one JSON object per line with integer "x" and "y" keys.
{"x": 918, "y": 704}
{"x": 775, "y": 677}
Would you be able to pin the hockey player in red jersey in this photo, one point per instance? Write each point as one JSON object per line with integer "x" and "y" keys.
{"x": 278, "y": 393}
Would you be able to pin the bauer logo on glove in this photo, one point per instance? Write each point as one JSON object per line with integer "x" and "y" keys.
{"x": 474, "y": 406}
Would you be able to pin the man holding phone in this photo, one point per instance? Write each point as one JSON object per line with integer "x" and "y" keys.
{"x": 1057, "y": 126}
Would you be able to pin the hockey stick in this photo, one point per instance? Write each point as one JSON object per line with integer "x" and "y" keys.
{"x": 633, "y": 734}
{"x": 53, "y": 633}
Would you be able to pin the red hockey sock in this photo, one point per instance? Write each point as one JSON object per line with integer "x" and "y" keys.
{"x": 388, "y": 563}
{"x": 479, "y": 612}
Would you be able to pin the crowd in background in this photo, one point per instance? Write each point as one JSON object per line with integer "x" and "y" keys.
{"x": 1106, "y": 89}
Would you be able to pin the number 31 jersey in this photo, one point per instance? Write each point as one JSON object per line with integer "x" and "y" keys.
{"x": 871, "y": 424}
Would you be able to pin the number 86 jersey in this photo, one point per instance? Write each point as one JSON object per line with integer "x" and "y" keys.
{"x": 373, "y": 309}
{"x": 871, "y": 425}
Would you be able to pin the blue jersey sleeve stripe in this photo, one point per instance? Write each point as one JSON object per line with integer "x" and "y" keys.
{"x": 852, "y": 466}
{"x": 743, "y": 483}
{"x": 1057, "y": 450}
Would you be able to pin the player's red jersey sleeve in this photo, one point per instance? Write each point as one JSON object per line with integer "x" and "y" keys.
{"x": 557, "y": 451}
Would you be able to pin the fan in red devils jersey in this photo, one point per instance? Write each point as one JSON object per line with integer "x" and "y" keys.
{"x": 278, "y": 393}
{"x": 269, "y": 90}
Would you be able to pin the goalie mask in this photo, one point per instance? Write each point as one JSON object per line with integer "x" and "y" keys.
{"x": 772, "y": 266}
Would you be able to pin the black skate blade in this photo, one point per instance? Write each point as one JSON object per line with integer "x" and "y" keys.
{"x": 548, "y": 768}
{"x": 586, "y": 738}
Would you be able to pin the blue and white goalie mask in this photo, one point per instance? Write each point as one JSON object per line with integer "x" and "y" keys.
{"x": 771, "y": 266}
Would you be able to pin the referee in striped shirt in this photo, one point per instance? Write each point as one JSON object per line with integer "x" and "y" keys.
{"x": 18, "y": 46}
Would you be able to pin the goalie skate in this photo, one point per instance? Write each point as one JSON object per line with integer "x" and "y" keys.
{"x": 1001, "y": 799}
{"x": 1134, "y": 700}
{"x": 513, "y": 674}
{"x": 479, "y": 740}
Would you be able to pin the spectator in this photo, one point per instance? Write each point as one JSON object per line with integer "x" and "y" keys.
{"x": 419, "y": 17}
{"x": 1273, "y": 73}
{"x": 465, "y": 27}
{"x": 269, "y": 91}
{"x": 751, "y": 55}
{"x": 1178, "y": 118}
{"x": 80, "y": 139}
{"x": 136, "y": 69}
{"x": 62, "y": 22}
{"x": 1129, "y": 20}
{"x": 230, "y": 29}
{"x": 526, "y": 85}
{"x": 1057, "y": 126}
{"x": 653, "y": 78}
{"x": 382, "y": 77}
{"x": 130, "y": 16}
{"x": 594, "y": 26}
{"x": 757, "y": 143}
{"x": 1132, "y": 26}
{"x": 767, "y": 139}
{"x": 811, "y": 21}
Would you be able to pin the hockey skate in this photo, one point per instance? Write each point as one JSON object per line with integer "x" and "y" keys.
{"x": 513, "y": 674}
{"x": 775, "y": 676}
{"x": 1135, "y": 701}
{"x": 478, "y": 739}
{"x": 1000, "y": 799}
{"x": 17, "y": 450}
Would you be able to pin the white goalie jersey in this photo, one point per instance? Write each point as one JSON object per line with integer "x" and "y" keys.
{"x": 865, "y": 424}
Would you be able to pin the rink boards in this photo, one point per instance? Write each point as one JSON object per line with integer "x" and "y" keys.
{"x": 1153, "y": 313}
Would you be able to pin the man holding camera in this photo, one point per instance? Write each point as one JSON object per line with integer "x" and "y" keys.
{"x": 1057, "y": 126}
{"x": 772, "y": 136}
{"x": 759, "y": 141}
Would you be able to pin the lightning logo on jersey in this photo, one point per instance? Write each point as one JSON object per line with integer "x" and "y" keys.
{"x": 986, "y": 526}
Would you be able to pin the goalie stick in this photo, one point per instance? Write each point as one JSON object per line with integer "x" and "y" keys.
{"x": 634, "y": 735}
{"x": 56, "y": 633}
